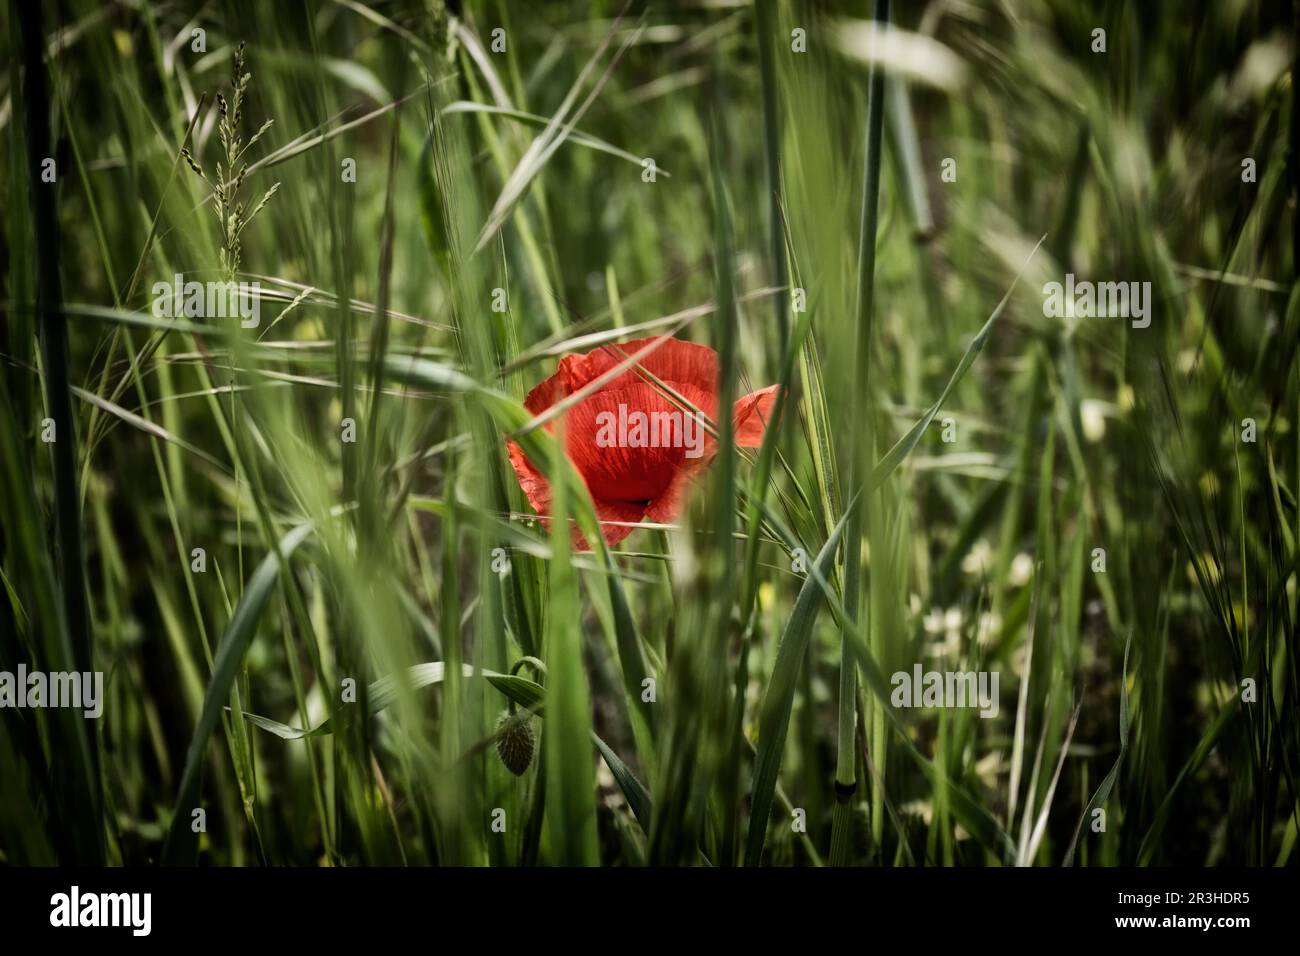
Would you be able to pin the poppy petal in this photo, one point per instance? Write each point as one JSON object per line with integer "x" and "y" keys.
{"x": 600, "y": 432}
{"x": 534, "y": 484}
{"x": 649, "y": 479}
{"x": 670, "y": 360}
{"x": 546, "y": 393}
{"x": 669, "y": 506}
{"x": 629, "y": 514}
{"x": 538, "y": 491}
{"x": 751, "y": 415}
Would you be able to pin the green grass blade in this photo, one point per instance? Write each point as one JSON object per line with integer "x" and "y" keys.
{"x": 182, "y": 842}
{"x": 570, "y": 780}
{"x": 778, "y": 697}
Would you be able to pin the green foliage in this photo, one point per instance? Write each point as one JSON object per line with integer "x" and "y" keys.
{"x": 325, "y": 611}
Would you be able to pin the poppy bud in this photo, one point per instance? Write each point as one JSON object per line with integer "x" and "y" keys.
{"x": 515, "y": 741}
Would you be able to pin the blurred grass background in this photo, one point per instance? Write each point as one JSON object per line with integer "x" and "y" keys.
{"x": 350, "y": 595}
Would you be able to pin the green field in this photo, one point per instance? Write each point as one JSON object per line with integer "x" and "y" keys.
{"x": 1000, "y": 572}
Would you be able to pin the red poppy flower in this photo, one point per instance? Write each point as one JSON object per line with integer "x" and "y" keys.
{"x": 636, "y": 449}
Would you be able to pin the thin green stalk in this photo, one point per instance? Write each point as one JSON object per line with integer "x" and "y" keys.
{"x": 765, "y": 11}
{"x": 846, "y": 758}
{"x": 77, "y": 775}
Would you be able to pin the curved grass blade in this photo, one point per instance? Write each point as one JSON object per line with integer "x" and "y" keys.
{"x": 521, "y": 690}
{"x": 1226, "y": 718}
{"x": 385, "y": 690}
{"x": 150, "y": 428}
{"x": 1108, "y": 783}
{"x": 181, "y": 843}
{"x": 557, "y": 130}
{"x": 532, "y": 119}
{"x": 638, "y": 798}
{"x": 903, "y": 447}
{"x": 779, "y": 697}
{"x": 969, "y": 812}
